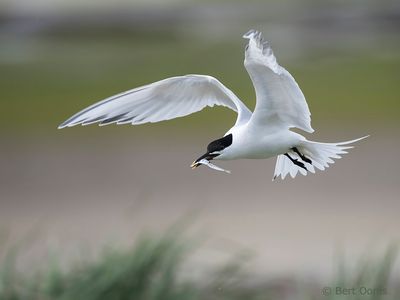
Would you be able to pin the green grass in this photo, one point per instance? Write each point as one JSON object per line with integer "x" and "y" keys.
{"x": 370, "y": 278}
{"x": 153, "y": 270}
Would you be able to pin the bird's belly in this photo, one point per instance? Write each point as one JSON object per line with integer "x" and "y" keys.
{"x": 260, "y": 147}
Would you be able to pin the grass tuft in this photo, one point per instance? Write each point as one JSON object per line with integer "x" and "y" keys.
{"x": 152, "y": 270}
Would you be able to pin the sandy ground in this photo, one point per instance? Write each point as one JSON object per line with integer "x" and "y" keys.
{"x": 72, "y": 193}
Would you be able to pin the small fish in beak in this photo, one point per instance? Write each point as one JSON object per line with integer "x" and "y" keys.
{"x": 207, "y": 163}
{"x": 213, "y": 150}
{"x": 207, "y": 156}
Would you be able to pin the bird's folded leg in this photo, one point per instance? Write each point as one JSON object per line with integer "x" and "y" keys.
{"x": 302, "y": 156}
{"x": 296, "y": 162}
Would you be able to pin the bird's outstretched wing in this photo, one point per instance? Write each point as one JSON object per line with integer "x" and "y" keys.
{"x": 279, "y": 98}
{"x": 162, "y": 100}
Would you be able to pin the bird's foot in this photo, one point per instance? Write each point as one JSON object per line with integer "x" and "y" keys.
{"x": 304, "y": 158}
{"x": 296, "y": 162}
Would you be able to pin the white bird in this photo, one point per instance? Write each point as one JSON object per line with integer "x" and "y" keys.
{"x": 261, "y": 134}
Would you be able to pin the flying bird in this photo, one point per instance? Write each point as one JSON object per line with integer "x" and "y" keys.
{"x": 261, "y": 134}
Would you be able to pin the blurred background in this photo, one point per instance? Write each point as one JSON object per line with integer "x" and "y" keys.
{"x": 84, "y": 187}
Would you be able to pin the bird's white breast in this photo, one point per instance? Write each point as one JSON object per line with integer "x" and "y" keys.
{"x": 259, "y": 142}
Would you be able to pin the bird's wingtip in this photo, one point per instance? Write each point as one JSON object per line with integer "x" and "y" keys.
{"x": 251, "y": 33}
{"x": 64, "y": 124}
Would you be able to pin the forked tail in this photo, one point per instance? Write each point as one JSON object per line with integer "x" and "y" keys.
{"x": 309, "y": 155}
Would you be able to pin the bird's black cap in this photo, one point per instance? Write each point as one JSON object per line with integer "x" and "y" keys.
{"x": 214, "y": 146}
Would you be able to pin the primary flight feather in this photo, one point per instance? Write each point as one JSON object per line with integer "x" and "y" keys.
{"x": 263, "y": 133}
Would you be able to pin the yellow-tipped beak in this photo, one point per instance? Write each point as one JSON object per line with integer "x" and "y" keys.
{"x": 194, "y": 165}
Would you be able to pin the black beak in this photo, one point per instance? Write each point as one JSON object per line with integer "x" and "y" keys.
{"x": 206, "y": 156}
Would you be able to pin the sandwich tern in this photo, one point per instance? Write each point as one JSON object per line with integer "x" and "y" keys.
{"x": 264, "y": 133}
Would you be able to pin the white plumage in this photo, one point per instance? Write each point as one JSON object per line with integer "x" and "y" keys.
{"x": 262, "y": 134}
{"x": 162, "y": 100}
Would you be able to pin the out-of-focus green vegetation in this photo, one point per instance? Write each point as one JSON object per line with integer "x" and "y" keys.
{"x": 47, "y": 79}
{"x": 153, "y": 270}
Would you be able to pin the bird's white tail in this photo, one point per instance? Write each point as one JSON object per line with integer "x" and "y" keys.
{"x": 309, "y": 155}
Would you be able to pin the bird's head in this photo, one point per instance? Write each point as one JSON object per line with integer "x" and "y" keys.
{"x": 214, "y": 149}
